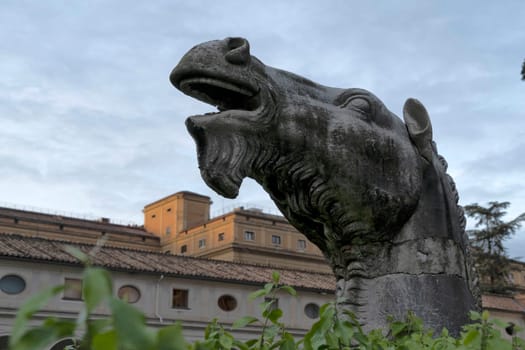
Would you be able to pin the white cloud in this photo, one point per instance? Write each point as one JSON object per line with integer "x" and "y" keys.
{"x": 89, "y": 121}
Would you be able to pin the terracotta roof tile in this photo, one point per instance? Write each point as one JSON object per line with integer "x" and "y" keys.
{"x": 502, "y": 303}
{"x": 40, "y": 249}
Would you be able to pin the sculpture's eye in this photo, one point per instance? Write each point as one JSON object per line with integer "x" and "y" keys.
{"x": 359, "y": 103}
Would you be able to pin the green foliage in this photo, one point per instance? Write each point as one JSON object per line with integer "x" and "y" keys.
{"x": 487, "y": 239}
{"x": 125, "y": 328}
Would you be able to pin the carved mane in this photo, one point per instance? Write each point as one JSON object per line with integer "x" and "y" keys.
{"x": 473, "y": 279}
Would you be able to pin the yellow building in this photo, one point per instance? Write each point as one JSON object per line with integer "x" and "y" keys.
{"x": 183, "y": 223}
{"x": 170, "y": 265}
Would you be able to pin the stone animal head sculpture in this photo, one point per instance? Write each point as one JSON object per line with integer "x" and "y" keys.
{"x": 369, "y": 190}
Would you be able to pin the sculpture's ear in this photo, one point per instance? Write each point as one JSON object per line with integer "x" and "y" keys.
{"x": 419, "y": 127}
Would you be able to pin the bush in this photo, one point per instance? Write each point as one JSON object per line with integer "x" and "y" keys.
{"x": 126, "y": 329}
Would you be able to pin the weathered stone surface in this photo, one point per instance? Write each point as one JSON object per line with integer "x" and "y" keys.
{"x": 369, "y": 190}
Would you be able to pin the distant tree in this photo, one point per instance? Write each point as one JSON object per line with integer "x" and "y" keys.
{"x": 490, "y": 256}
{"x": 523, "y": 70}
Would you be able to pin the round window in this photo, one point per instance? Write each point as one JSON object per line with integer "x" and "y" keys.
{"x": 129, "y": 293}
{"x": 63, "y": 344}
{"x": 311, "y": 310}
{"x": 12, "y": 284}
{"x": 227, "y": 303}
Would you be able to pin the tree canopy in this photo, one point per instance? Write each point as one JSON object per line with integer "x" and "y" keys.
{"x": 487, "y": 239}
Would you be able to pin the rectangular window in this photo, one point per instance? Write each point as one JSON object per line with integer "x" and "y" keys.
{"x": 183, "y": 249}
{"x": 179, "y": 299}
{"x": 301, "y": 244}
{"x": 249, "y": 236}
{"x": 220, "y": 237}
{"x": 168, "y": 230}
{"x": 72, "y": 289}
{"x": 276, "y": 240}
{"x": 202, "y": 243}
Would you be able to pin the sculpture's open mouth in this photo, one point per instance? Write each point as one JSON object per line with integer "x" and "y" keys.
{"x": 219, "y": 157}
{"x": 223, "y": 94}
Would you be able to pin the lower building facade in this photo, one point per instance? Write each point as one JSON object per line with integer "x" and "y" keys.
{"x": 166, "y": 288}
{"x": 181, "y": 266}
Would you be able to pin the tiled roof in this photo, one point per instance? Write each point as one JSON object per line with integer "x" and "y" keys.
{"x": 501, "y": 302}
{"x": 43, "y": 218}
{"x": 121, "y": 259}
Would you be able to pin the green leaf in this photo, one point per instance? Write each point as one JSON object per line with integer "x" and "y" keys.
{"x": 63, "y": 328}
{"x": 485, "y": 315}
{"x": 343, "y": 332}
{"x": 331, "y": 340}
{"x": 41, "y": 337}
{"x": 130, "y": 326}
{"x": 171, "y": 338}
{"x": 276, "y": 277}
{"x": 94, "y": 327}
{"x": 96, "y": 287}
{"x": 361, "y": 338}
{"x": 250, "y": 343}
{"x": 77, "y": 253}
{"x": 226, "y": 340}
{"x": 397, "y": 328}
{"x": 271, "y": 331}
{"x": 474, "y": 316}
{"x": 241, "y": 345}
{"x": 267, "y": 306}
{"x": 211, "y": 329}
{"x": 315, "y": 338}
{"x": 499, "y": 323}
{"x": 287, "y": 342}
{"x": 471, "y": 336}
{"x": 499, "y": 344}
{"x": 105, "y": 341}
{"x": 27, "y": 310}
{"x": 289, "y": 290}
{"x": 244, "y": 321}
{"x": 34, "y": 339}
{"x": 258, "y": 293}
{"x": 275, "y": 315}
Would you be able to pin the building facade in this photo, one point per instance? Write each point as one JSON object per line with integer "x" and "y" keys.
{"x": 182, "y": 265}
{"x": 183, "y": 223}
{"x": 165, "y": 287}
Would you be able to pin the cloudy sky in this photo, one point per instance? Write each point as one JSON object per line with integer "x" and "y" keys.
{"x": 90, "y": 124}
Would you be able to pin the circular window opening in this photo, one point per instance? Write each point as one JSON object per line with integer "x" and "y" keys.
{"x": 311, "y": 310}
{"x": 12, "y": 284}
{"x": 63, "y": 344}
{"x": 129, "y": 293}
{"x": 227, "y": 303}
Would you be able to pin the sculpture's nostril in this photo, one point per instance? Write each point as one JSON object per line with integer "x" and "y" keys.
{"x": 238, "y": 51}
{"x": 234, "y": 43}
